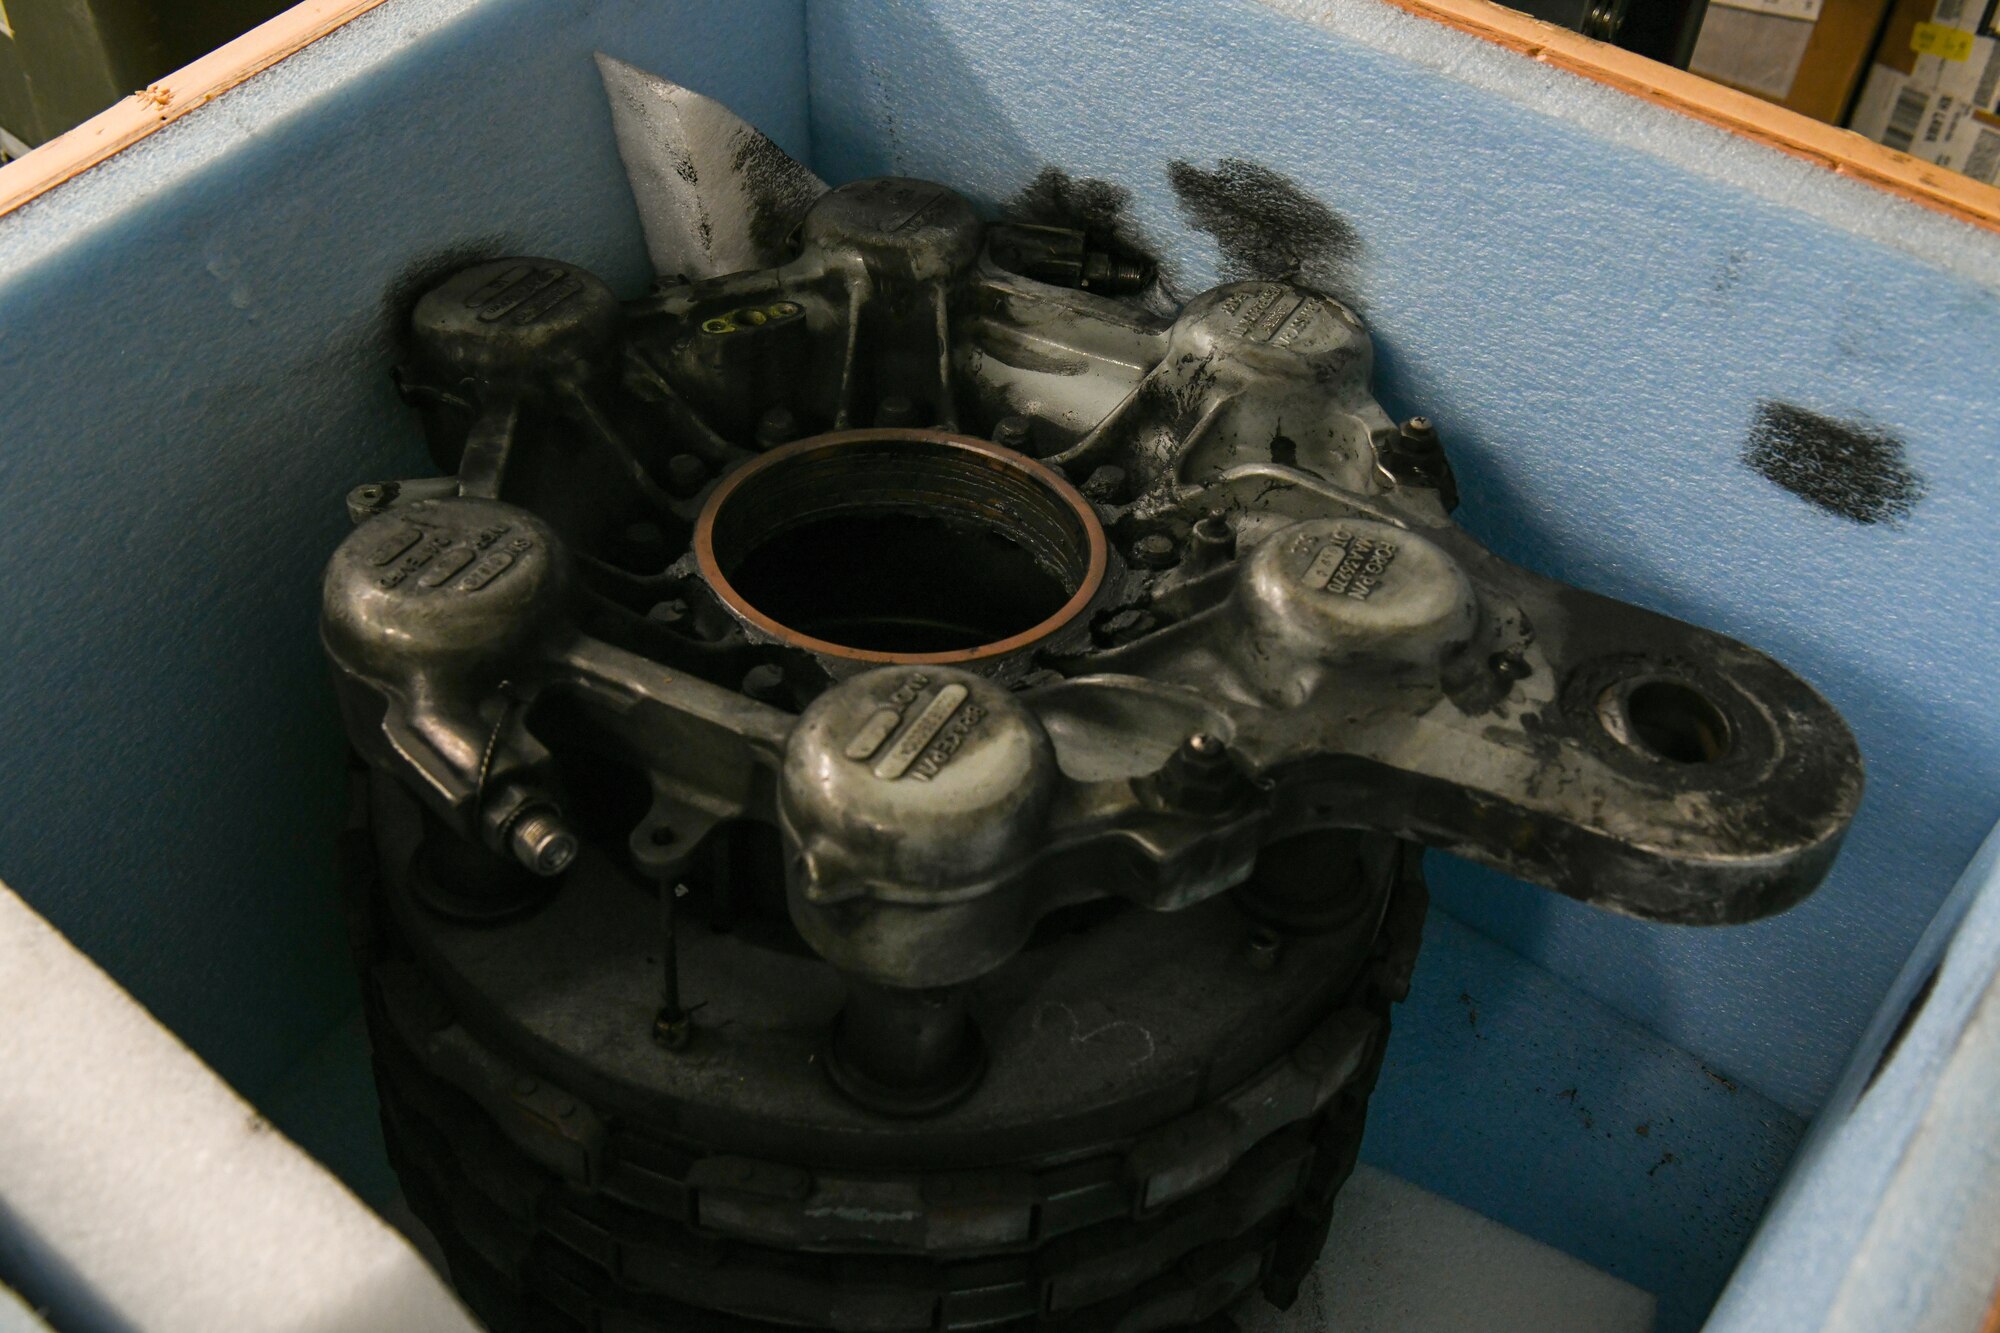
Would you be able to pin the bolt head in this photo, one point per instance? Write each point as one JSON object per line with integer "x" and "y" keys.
{"x": 672, "y": 1032}
{"x": 1203, "y": 775}
{"x": 542, "y": 842}
{"x": 764, "y": 682}
{"x": 1105, "y": 485}
{"x": 1014, "y": 432}
{"x": 673, "y": 1029}
{"x": 777, "y": 425}
{"x": 685, "y": 474}
{"x": 1155, "y": 550}
{"x": 1125, "y": 626}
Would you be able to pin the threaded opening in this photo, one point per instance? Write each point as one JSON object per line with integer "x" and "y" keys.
{"x": 901, "y": 545}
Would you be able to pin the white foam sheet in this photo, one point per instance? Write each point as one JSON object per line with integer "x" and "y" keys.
{"x": 16, "y": 1317}
{"x": 1404, "y": 1260}
{"x": 142, "y": 1194}
{"x": 681, "y": 150}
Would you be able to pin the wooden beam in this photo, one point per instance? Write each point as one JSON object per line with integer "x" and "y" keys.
{"x": 196, "y": 85}
{"x": 1841, "y": 151}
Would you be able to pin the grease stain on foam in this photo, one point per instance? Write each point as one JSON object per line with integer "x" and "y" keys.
{"x": 778, "y": 188}
{"x": 1854, "y": 469}
{"x": 1100, "y": 209}
{"x": 1266, "y": 225}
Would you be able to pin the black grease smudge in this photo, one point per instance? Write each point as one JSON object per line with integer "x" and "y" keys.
{"x": 1266, "y": 225}
{"x": 780, "y": 190}
{"x": 1055, "y": 198}
{"x": 1850, "y": 468}
{"x": 1099, "y": 209}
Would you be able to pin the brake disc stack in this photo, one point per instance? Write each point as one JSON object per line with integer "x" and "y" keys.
{"x": 891, "y": 780}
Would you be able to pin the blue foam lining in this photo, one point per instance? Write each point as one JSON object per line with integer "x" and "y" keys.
{"x": 1509, "y": 1091}
{"x": 195, "y": 343}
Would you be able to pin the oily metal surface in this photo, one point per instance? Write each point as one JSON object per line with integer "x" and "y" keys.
{"x": 1115, "y": 1029}
{"x": 896, "y": 776}
{"x": 1269, "y": 560}
{"x": 560, "y": 1211}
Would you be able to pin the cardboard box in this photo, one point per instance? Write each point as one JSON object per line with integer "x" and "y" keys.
{"x": 1808, "y": 55}
{"x": 1934, "y": 89}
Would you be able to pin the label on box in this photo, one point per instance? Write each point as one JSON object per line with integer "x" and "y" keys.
{"x": 1790, "y": 9}
{"x": 1877, "y": 102}
{"x": 1964, "y": 79}
{"x": 1986, "y": 52}
{"x": 1955, "y": 133}
{"x": 1907, "y": 118}
{"x": 1982, "y": 156}
{"x": 1942, "y": 41}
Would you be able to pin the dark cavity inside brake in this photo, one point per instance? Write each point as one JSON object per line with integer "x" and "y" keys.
{"x": 905, "y": 543}
{"x": 899, "y": 581}
{"x": 1677, "y": 722}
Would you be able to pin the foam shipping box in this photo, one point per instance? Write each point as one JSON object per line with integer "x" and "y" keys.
{"x": 1687, "y": 349}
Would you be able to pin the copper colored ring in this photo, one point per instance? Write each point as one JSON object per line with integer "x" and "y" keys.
{"x": 995, "y": 456}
